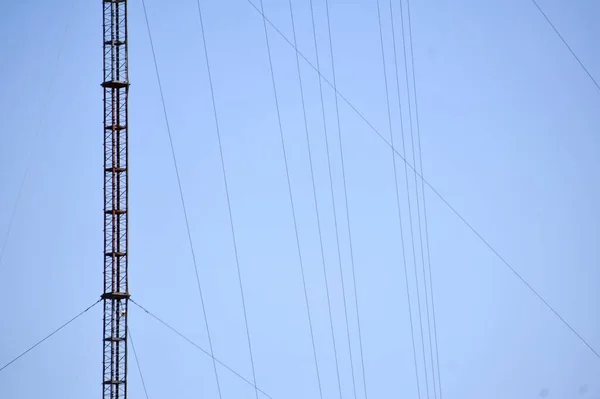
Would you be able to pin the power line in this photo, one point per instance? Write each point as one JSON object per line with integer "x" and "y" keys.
{"x": 387, "y": 98}
{"x": 412, "y": 138}
{"x": 37, "y": 133}
{"x": 566, "y": 44}
{"x": 409, "y": 205}
{"x": 333, "y": 202}
{"x": 187, "y": 224}
{"x": 424, "y": 202}
{"x": 207, "y": 353}
{"x": 137, "y": 362}
{"x": 437, "y": 193}
{"x": 235, "y": 248}
{"x": 49, "y": 335}
{"x": 289, "y": 184}
{"x": 340, "y": 141}
{"x": 318, "y": 217}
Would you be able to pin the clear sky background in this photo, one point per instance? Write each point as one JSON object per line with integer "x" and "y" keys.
{"x": 509, "y": 129}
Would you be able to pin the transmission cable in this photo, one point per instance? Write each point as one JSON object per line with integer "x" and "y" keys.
{"x": 341, "y": 148}
{"x": 414, "y": 81}
{"x": 207, "y": 353}
{"x": 316, "y": 201}
{"x": 187, "y": 224}
{"x": 566, "y": 44}
{"x": 389, "y": 113}
{"x": 49, "y": 335}
{"x": 235, "y": 247}
{"x": 137, "y": 362}
{"x": 289, "y": 184}
{"x": 419, "y": 225}
{"x": 37, "y": 132}
{"x": 333, "y": 201}
{"x": 433, "y": 189}
{"x": 409, "y": 210}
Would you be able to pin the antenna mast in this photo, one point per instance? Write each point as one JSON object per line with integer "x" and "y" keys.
{"x": 116, "y": 193}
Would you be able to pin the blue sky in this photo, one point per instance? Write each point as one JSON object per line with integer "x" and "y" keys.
{"x": 509, "y": 127}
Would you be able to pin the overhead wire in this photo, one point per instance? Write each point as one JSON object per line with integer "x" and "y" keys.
{"x": 316, "y": 201}
{"x": 187, "y": 224}
{"x": 137, "y": 362}
{"x": 333, "y": 201}
{"x": 207, "y": 353}
{"x": 71, "y": 320}
{"x": 396, "y": 189}
{"x": 409, "y": 214}
{"x": 347, "y": 208}
{"x": 289, "y": 185}
{"x": 419, "y": 225}
{"x": 235, "y": 247}
{"x": 561, "y": 37}
{"x": 431, "y": 187}
{"x": 414, "y": 81}
{"x": 36, "y": 135}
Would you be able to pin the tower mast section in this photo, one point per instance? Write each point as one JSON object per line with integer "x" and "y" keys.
{"x": 116, "y": 292}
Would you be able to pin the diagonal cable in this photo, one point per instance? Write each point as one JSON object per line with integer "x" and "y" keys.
{"x": 137, "y": 362}
{"x": 433, "y": 189}
{"x": 414, "y": 81}
{"x": 235, "y": 248}
{"x": 566, "y": 44}
{"x": 409, "y": 214}
{"x": 289, "y": 184}
{"x": 389, "y": 113}
{"x": 207, "y": 353}
{"x": 419, "y": 224}
{"x": 187, "y": 224}
{"x": 36, "y": 134}
{"x": 333, "y": 201}
{"x": 341, "y": 148}
{"x": 49, "y": 335}
{"x": 316, "y": 201}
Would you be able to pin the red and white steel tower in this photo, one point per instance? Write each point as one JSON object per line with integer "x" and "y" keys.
{"x": 116, "y": 292}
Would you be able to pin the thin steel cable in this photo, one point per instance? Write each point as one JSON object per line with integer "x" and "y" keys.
{"x": 560, "y": 36}
{"x": 316, "y": 201}
{"x": 387, "y": 97}
{"x": 409, "y": 210}
{"x": 414, "y": 79}
{"x": 207, "y": 353}
{"x": 289, "y": 184}
{"x": 235, "y": 247}
{"x": 437, "y": 193}
{"x": 341, "y": 148}
{"x": 333, "y": 201}
{"x": 49, "y": 335}
{"x": 513, "y": 270}
{"x": 419, "y": 224}
{"x": 187, "y": 224}
{"x": 37, "y": 132}
{"x": 137, "y": 362}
